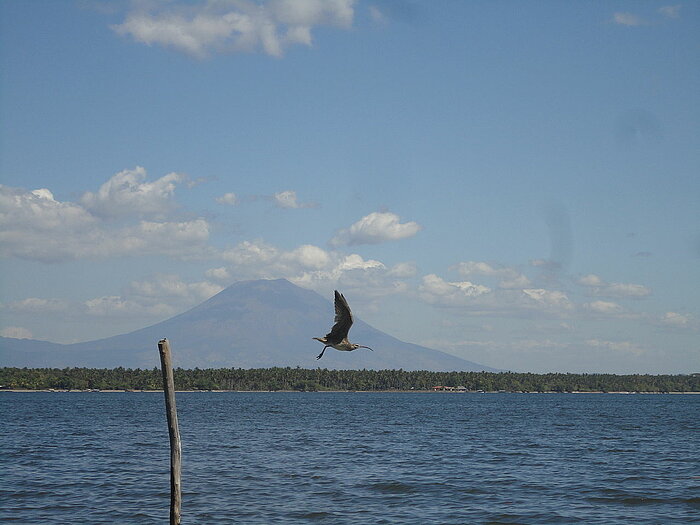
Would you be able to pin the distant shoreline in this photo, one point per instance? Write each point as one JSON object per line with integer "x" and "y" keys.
{"x": 59, "y": 391}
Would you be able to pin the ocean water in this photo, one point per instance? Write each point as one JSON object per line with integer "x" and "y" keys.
{"x": 337, "y": 458}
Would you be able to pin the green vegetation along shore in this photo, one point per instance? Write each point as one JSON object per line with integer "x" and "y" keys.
{"x": 319, "y": 379}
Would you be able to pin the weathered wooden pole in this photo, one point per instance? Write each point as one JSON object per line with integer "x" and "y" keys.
{"x": 166, "y": 364}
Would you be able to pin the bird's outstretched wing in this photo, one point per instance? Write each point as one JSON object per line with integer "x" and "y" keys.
{"x": 343, "y": 320}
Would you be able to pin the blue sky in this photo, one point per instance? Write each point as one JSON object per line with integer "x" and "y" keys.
{"x": 515, "y": 183}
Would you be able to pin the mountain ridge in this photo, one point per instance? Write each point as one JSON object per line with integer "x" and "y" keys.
{"x": 250, "y": 324}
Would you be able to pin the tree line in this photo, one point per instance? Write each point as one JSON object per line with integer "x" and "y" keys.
{"x": 301, "y": 379}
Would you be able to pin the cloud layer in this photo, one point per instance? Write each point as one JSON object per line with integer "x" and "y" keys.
{"x": 34, "y": 225}
{"x": 129, "y": 193}
{"x": 288, "y": 199}
{"x": 132, "y": 215}
{"x": 597, "y": 286}
{"x": 375, "y": 228}
{"x": 235, "y": 25}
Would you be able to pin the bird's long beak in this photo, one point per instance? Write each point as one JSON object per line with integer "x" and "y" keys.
{"x": 367, "y": 347}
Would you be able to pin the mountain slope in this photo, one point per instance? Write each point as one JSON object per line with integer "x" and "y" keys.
{"x": 250, "y": 324}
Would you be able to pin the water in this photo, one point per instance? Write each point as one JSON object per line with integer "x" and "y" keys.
{"x": 352, "y": 458}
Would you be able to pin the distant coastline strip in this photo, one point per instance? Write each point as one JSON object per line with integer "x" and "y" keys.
{"x": 320, "y": 379}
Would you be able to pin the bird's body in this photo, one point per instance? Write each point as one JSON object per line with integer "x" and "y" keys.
{"x": 338, "y": 336}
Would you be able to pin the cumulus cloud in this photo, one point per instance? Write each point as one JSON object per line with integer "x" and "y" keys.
{"x": 509, "y": 277}
{"x": 221, "y": 274}
{"x": 436, "y": 290}
{"x": 483, "y": 300}
{"x": 597, "y": 286}
{"x": 309, "y": 256}
{"x": 159, "y": 296}
{"x": 128, "y": 193}
{"x": 313, "y": 267}
{"x": 37, "y": 305}
{"x": 591, "y": 280}
{"x": 628, "y": 19}
{"x": 37, "y": 210}
{"x": 403, "y": 270}
{"x": 259, "y": 259}
{"x": 36, "y": 226}
{"x": 375, "y": 228}
{"x": 63, "y": 308}
{"x": 229, "y": 199}
{"x": 162, "y": 296}
{"x": 548, "y": 298}
{"x": 117, "y": 306}
{"x": 253, "y": 256}
{"x": 169, "y": 287}
{"x": 235, "y": 26}
{"x": 288, "y": 199}
{"x": 182, "y": 240}
{"x": 603, "y": 307}
{"x": 676, "y": 320}
{"x": 625, "y": 290}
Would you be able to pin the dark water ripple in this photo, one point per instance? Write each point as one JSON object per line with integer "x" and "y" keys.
{"x": 336, "y": 458}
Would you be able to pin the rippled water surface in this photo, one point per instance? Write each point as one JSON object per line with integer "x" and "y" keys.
{"x": 352, "y": 458}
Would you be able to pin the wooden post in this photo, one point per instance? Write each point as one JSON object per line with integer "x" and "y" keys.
{"x": 166, "y": 364}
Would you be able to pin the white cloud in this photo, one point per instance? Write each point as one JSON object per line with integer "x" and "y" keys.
{"x": 367, "y": 277}
{"x": 308, "y": 256}
{"x": 36, "y": 226}
{"x": 171, "y": 287}
{"x": 312, "y": 267}
{"x": 548, "y": 298}
{"x": 253, "y": 259}
{"x": 251, "y": 256}
{"x": 220, "y": 274}
{"x": 37, "y": 210}
{"x": 625, "y": 290}
{"x": 516, "y": 283}
{"x": 628, "y": 19}
{"x": 128, "y": 193}
{"x": 403, "y": 270}
{"x": 288, "y": 199}
{"x": 179, "y": 239}
{"x": 228, "y": 198}
{"x": 509, "y": 277}
{"x": 603, "y": 307}
{"x": 677, "y": 320}
{"x": 375, "y": 228}
{"x": 236, "y": 26}
{"x": 161, "y": 297}
{"x": 670, "y": 11}
{"x": 591, "y": 280}
{"x": 599, "y": 287}
{"x": 16, "y": 332}
{"x": 116, "y": 306}
{"x": 37, "y": 305}
{"x": 502, "y": 302}
{"x": 436, "y": 290}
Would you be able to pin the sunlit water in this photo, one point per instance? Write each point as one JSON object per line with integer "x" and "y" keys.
{"x": 352, "y": 458}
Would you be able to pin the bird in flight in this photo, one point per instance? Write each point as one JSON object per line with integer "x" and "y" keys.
{"x": 338, "y": 336}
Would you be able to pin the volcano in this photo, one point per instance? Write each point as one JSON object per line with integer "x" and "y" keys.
{"x": 250, "y": 324}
